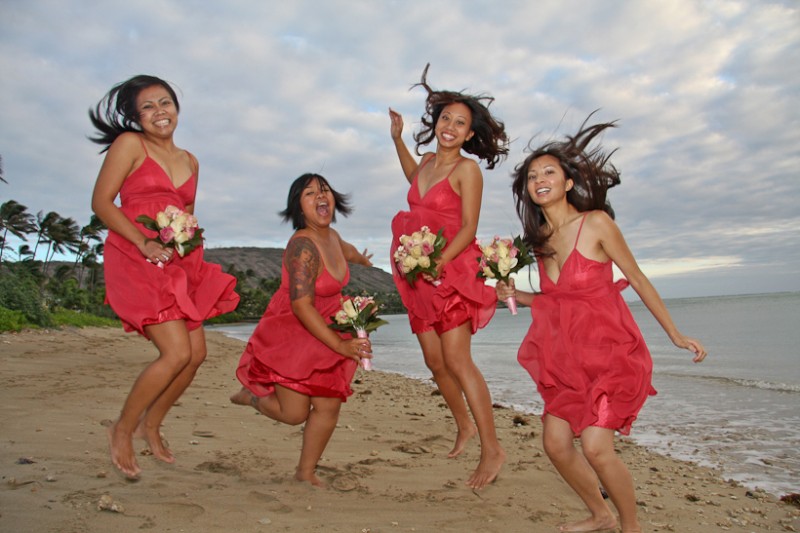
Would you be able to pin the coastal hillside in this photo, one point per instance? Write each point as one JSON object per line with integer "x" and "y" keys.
{"x": 260, "y": 263}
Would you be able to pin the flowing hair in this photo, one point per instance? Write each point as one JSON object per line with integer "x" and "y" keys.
{"x": 293, "y": 210}
{"x": 489, "y": 142}
{"x": 589, "y": 169}
{"x": 116, "y": 113}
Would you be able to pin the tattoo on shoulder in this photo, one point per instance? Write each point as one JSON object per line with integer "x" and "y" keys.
{"x": 302, "y": 262}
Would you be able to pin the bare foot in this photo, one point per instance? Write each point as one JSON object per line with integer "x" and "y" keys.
{"x": 243, "y": 397}
{"x": 310, "y": 478}
{"x": 155, "y": 442}
{"x": 462, "y": 439}
{"x": 487, "y": 470}
{"x": 121, "y": 447}
{"x": 593, "y": 523}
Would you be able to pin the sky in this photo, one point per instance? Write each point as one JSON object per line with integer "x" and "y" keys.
{"x": 705, "y": 94}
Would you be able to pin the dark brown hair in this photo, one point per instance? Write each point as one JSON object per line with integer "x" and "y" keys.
{"x": 489, "y": 142}
{"x": 293, "y": 210}
{"x": 589, "y": 169}
{"x": 116, "y": 113}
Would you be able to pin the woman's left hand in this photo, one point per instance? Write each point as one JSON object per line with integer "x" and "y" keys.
{"x": 693, "y": 345}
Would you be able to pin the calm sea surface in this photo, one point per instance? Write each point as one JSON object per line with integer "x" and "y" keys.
{"x": 738, "y": 411}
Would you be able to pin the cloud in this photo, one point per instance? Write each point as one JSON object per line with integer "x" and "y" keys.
{"x": 705, "y": 94}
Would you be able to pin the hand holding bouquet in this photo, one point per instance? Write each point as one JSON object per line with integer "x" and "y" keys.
{"x": 176, "y": 229}
{"x": 417, "y": 253}
{"x": 358, "y": 315}
{"x": 501, "y": 258}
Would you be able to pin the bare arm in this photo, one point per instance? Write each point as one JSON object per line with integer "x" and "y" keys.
{"x": 614, "y": 245}
{"x": 507, "y": 290}
{"x": 352, "y": 255}
{"x": 407, "y": 161}
{"x": 303, "y": 264}
{"x": 122, "y": 157}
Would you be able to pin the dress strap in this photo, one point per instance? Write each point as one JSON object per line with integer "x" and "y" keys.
{"x": 578, "y": 236}
{"x": 419, "y": 169}
{"x": 454, "y": 167}
{"x": 141, "y": 140}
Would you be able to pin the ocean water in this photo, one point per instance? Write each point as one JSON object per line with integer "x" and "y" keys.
{"x": 738, "y": 411}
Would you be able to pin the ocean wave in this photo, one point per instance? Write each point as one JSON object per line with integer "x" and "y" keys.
{"x": 741, "y": 382}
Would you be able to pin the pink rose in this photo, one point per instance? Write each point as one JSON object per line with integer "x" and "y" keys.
{"x": 166, "y": 234}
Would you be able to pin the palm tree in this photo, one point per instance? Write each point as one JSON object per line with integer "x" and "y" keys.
{"x": 90, "y": 232}
{"x": 43, "y": 225}
{"x": 14, "y": 218}
{"x": 64, "y": 236}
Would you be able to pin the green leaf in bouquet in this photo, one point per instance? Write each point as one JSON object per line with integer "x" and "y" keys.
{"x": 147, "y": 222}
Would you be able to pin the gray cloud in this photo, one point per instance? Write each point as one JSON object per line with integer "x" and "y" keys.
{"x": 705, "y": 94}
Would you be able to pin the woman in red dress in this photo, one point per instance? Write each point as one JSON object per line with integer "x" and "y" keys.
{"x": 583, "y": 349}
{"x": 154, "y": 291}
{"x": 296, "y": 369}
{"x": 445, "y": 312}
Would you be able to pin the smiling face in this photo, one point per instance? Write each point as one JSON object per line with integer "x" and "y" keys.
{"x": 547, "y": 182}
{"x": 317, "y": 204}
{"x": 454, "y": 126}
{"x": 158, "y": 114}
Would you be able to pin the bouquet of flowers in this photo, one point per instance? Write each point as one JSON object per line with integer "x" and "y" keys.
{"x": 176, "y": 229}
{"x": 358, "y": 315}
{"x": 417, "y": 252}
{"x": 501, "y": 258}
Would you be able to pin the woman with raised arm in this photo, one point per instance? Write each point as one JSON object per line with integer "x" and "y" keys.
{"x": 445, "y": 194}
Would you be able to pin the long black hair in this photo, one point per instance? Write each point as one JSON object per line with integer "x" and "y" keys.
{"x": 489, "y": 142}
{"x": 590, "y": 170}
{"x": 116, "y": 113}
{"x": 293, "y": 210}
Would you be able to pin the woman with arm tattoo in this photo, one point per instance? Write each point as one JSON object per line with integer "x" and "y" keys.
{"x": 296, "y": 369}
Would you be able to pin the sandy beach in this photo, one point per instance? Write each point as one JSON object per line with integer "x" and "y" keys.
{"x": 386, "y": 466}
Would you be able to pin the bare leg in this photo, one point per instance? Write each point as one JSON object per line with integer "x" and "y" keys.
{"x": 172, "y": 341}
{"x": 449, "y": 387}
{"x": 291, "y": 407}
{"x": 150, "y": 425}
{"x": 318, "y": 430}
{"x": 598, "y": 447}
{"x": 458, "y": 359}
{"x": 576, "y": 471}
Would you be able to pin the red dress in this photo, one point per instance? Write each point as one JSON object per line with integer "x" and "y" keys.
{"x": 461, "y": 296}
{"x": 584, "y": 349}
{"x": 186, "y": 288}
{"x": 282, "y": 351}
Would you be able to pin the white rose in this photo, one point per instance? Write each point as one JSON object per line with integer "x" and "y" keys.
{"x": 506, "y": 264}
{"x": 424, "y": 261}
{"x": 409, "y": 263}
{"x": 348, "y": 308}
{"x": 162, "y": 220}
{"x": 416, "y": 251}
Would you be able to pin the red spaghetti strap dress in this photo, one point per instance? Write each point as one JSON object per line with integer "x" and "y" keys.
{"x": 282, "y": 351}
{"x": 584, "y": 349}
{"x": 142, "y": 293}
{"x": 461, "y": 296}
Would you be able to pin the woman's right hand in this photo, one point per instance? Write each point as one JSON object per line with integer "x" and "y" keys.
{"x": 155, "y": 252}
{"x": 505, "y": 290}
{"x": 396, "y": 128}
{"x": 355, "y": 349}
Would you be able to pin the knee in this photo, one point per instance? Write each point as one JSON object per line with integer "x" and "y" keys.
{"x": 557, "y": 449}
{"x": 597, "y": 455}
{"x": 295, "y": 417}
{"x": 198, "y": 356}
{"x": 177, "y": 359}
